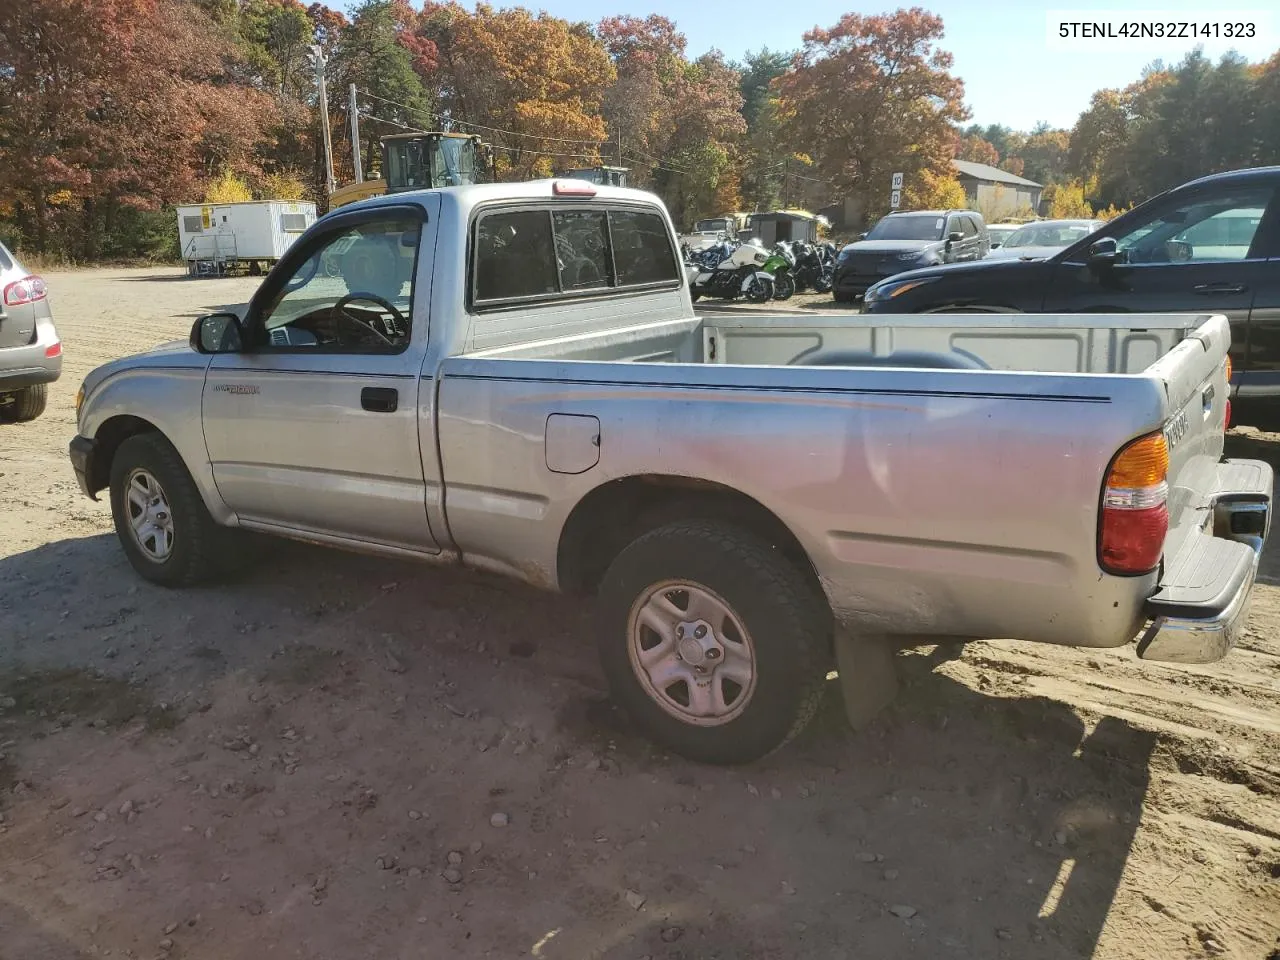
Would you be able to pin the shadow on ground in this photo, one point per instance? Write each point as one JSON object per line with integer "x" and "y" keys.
{"x": 961, "y": 824}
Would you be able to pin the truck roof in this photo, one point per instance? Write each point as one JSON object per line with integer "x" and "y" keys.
{"x": 468, "y": 196}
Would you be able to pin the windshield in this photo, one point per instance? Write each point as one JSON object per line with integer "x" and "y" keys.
{"x": 456, "y": 163}
{"x": 709, "y": 226}
{"x": 908, "y": 228}
{"x": 1049, "y": 235}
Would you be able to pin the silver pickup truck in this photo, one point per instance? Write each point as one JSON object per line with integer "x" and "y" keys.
{"x": 512, "y": 377}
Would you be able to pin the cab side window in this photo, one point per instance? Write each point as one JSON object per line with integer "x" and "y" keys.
{"x": 558, "y": 251}
{"x": 515, "y": 255}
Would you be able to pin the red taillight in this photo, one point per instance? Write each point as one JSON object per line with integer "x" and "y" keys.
{"x": 1226, "y": 417}
{"x": 27, "y": 290}
{"x": 1135, "y": 509}
{"x": 53, "y": 350}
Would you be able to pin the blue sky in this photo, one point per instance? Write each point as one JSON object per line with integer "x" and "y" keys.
{"x": 1014, "y": 73}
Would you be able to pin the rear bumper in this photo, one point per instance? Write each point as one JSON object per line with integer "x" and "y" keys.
{"x": 1201, "y": 606}
{"x": 30, "y": 364}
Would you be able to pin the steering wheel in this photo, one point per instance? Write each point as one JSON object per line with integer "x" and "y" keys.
{"x": 341, "y": 309}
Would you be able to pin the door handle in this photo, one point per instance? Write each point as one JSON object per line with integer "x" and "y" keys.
{"x": 1210, "y": 288}
{"x": 380, "y": 399}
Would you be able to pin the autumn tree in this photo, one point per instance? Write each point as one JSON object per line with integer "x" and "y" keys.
{"x": 929, "y": 190}
{"x": 1044, "y": 155}
{"x": 639, "y": 106}
{"x": 1099, "y": 136}
{"x": 111, "y": 107}
{"x": 370, "y": 54}
{"x": 703, "y": 149}
{"x": 766, "y": 152}
{"x": 871, "y": 96}
{"x": 532, "y": 84}
{"x": 1068, "y": 201}
{"x": 977, "y": 150}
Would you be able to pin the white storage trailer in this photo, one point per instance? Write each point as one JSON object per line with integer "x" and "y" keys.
{"x": 218, "y": 238}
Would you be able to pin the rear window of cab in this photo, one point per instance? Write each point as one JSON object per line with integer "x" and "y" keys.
{"x": 553, "y": 252}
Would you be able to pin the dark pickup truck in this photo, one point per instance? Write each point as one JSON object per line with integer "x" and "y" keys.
{"x": 1212, "y": 245}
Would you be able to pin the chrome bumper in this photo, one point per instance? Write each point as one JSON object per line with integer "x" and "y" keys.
{"x": 1201, "y": 609}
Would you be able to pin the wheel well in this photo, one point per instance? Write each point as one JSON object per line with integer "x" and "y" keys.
{"x": 616, "y": 513}
{"x": 110, "y": 435}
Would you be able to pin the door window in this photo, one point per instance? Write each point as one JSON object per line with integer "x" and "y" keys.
{"x": 1204, "y": 230}
{"x": 967, "y": 228}
{"x": 353, "y": 294}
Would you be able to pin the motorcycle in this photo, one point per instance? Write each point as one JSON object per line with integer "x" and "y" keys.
{"x": 812, "y": 268}
{"x": 780, "y": 265}
{"x": 737, "y": 272}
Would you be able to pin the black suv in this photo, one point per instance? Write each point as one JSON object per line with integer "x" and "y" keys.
{"x": 1209, "y": 246}
{"x": 905, "y": 241}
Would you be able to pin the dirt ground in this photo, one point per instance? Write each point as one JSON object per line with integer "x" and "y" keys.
{"x": 338, "y": 757}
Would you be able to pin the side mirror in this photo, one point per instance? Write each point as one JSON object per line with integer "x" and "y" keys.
{"x": 1104, "y": 253}
{"x": 217, "y": 333}
{"x": 955, "y": 236}
{"x": 995, "y": 244}
{"x": 862, "y": 236}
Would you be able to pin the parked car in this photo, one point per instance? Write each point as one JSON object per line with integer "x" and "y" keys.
{"x": 752, "y": 498}
{"x": 1043, "y": 238}
{"x": 999, "y": 232}
{"x": 30, "y": 351}
{"x": 905, "y": 241}
{"x": 1211, "y": 245}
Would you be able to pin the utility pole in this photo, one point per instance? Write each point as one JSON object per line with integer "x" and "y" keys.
{"x": 318, "y": 53}
{"x": 353, "y": 113}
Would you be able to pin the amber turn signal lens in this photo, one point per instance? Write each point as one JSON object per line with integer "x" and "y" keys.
{"x": 1144, "y": 463}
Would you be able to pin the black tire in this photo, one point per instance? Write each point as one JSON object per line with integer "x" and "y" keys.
{"x": 787, "y": 620}
{"x": 27, "y": 404}
{"x": 839, "y": 297}
{"x": 759, "y": 291}
{"x": 200, "y": 549}
{"x": 823, "y": 283}
{"x": 784, "y": 287}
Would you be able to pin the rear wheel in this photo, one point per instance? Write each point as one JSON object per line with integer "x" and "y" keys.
{"x": 25, "y": 404}
{"x": 823, "y": 282}
{"x": 839, "y": 297}
{"x": 713, "y": 643}
{"x": 161, "y": 520}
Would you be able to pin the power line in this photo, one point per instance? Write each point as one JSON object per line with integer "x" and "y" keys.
{"x": 496, "y": 146}
{"x": 481, "y": 126}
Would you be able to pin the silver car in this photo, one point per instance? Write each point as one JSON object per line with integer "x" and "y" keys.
{"x": 30, "y": 351}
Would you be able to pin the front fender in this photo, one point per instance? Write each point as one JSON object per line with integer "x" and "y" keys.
{"x": 167, "y": 399}
{"x": 758, "y": 275}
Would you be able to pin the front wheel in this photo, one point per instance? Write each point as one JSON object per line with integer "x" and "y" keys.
{"x": 759, "y": 290}
{"x": 784, "y": 287}
{"x": 714, "y": 644}
{"x": 823, "y": 282}
{"x": 160, "y": 518}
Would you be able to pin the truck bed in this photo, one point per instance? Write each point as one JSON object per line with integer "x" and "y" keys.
{"x": 932, "y": 500}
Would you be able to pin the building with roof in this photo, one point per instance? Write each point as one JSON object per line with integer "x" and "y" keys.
{"x": 996, "y": 193}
